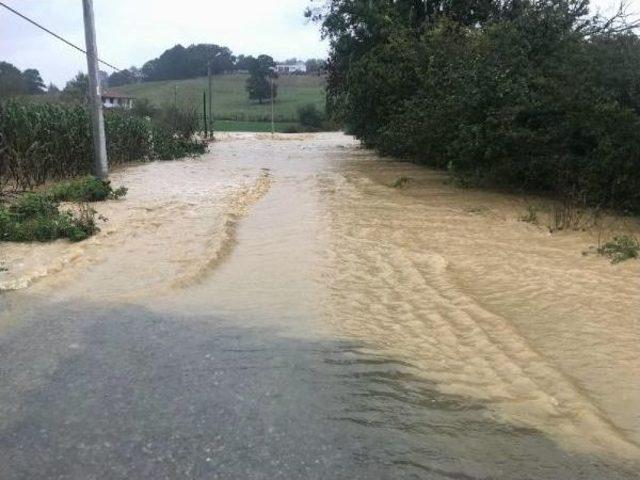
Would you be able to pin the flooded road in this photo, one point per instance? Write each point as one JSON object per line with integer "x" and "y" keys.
{"x": 276, "y": 309}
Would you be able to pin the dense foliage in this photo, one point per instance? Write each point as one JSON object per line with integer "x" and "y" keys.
{"x": 259, "y": 83}
{"x": 15, "y": 82}
{"x": 39, "y": 142}
{"x": 535, "y": 95}
{"x": 180, "y": 62}
{"x": 36, "y": 216}
{"x": 83, "y": 189}
{"x": 43, "y": 221}
{"x": 310, "y": 117}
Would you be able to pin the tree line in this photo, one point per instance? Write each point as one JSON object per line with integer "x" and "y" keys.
{"x": 181, "y": 62}
{"x": 175, "y": 63}
{"x": 16, "y": 82}
{"x": 537, "y": 95}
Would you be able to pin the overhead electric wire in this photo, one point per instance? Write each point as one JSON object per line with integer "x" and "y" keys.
{"x": 54, "y": 34}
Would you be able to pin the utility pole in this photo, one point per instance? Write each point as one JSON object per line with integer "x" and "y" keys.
{"x": 273, "y": 129}
{"x": 204, "y": 111}
{"x": 100, "y": 163}
{"x": 210, "y": 99}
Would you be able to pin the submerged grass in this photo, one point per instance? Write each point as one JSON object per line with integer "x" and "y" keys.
{"x": 400, "y": 182}
{"x": 621, "y": 248}
{"x": 85, "y": 189}
{"x": 36, "y": 216}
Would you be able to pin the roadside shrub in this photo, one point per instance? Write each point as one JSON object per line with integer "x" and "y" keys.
{"x": 85, "y": 189}
{"x": 41, "y": 142}
{"x": 128, "y": 137}
{"x": 310, "y": 117}
{"x": 182, "y": 122}
{"x": 31, "y": 205}
{"x": 168, "y": 146}
{"x": 36, "y": 217}
{"x": 143, "y": 107}
{"x": 534, "y": 96}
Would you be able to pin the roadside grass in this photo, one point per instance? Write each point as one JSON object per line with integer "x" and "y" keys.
{"x": 84, "y": 189}
{"x": 36, "y": 216}
{"x": 531, "y": 216}
{"x": 230, "y": 99}
{"x": 237, "y": 126}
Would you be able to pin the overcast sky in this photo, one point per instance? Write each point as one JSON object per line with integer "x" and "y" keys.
{"x": 130, "y": 32}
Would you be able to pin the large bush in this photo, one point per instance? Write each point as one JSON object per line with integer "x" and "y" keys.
{"x": 310, "y": 117}
{"x": 533, "y": 95}
{"x": 40, "y": 142}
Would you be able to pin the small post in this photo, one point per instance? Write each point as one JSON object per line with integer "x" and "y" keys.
{"x": 175, "y": 95}
{"x": 204, "y": 111}
{"x": 100, "y": 162}
{"x": 210, "y": 99}
{"x": 273, "y": 128}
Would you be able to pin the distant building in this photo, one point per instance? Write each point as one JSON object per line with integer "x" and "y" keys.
{"x": 291, "y": 68}
{"x": 116, "y": 100}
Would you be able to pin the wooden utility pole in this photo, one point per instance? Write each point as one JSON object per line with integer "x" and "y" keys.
{"x": 273, "y": 129}
{"x": 204, "y": 111}
{"x": 210, "y": 99}
{"x": 100, "y": 163}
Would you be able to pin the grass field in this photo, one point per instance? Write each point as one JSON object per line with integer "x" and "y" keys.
{"x": 231, "y": 105}
{"x": 240, "y": 126}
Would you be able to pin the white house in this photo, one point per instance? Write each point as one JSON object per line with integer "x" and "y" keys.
{"x": 292, "y": 68}
{"x": 116, "y": 100}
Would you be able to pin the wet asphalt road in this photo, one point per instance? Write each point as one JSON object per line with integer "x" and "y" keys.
{"x": 89, "y": 392}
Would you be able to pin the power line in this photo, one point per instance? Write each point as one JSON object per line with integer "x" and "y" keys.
{"x": 54, "y": 34}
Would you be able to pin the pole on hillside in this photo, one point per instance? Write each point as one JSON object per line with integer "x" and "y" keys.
{"x": 273, "y": 129}
{"x": 204, "y": 111}
{"x": 100, "y": 163}
{"x": 210, "y": 99}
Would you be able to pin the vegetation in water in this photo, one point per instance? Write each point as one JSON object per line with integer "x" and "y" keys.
{"x": 85, "y": 189}
{"x": 36, "y": 216}
{"x": 538, "y": 96}
{"x": 621, "y": 248}
{"x": 400, "y": 182}
{"x": 531, "y": 216}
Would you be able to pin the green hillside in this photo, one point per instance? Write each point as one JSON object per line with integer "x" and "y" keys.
{"x": 230, "y": 100}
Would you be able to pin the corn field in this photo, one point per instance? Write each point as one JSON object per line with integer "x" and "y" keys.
{"x": 51, "y": 142}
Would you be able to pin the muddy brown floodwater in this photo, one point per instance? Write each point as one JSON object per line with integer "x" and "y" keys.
{"x": 348, "y": 329}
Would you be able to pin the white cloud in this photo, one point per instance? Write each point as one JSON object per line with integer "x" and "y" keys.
{"x": 132, "y": 32}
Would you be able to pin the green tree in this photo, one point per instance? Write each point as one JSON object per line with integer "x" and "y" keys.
{"x": 123, "y": 77}
{"x": 261, "y": 75}
{"x": 315, "y": 65}
{"x": 34, "y": 81}
{"x": 77, "y": 89}
{"x": 536, "y": 95}
{"x": 11, "y": 80}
